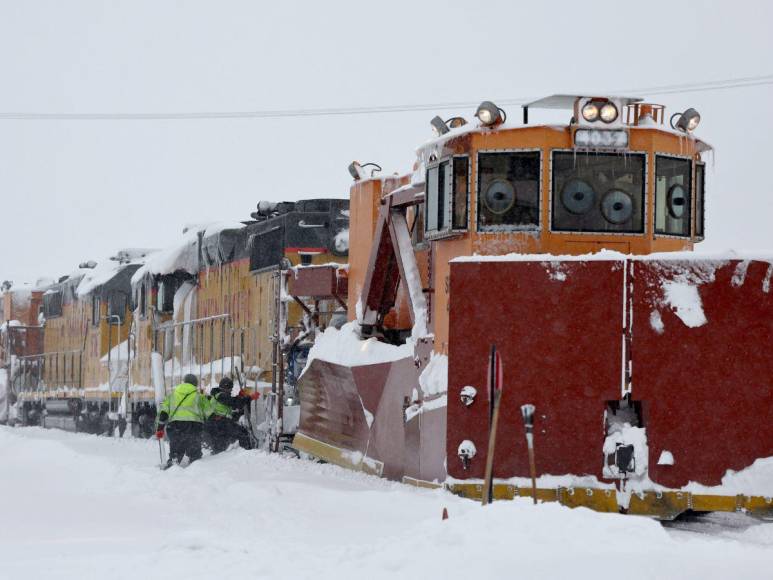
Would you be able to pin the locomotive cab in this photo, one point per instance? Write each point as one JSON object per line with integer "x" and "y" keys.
{"x": 599, "y": 182}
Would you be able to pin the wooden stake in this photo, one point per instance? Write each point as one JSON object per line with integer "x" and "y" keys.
{"x": 488, "y": 492}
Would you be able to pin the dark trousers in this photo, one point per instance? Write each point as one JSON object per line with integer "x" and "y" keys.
{"x": 184, "y": 439}
{"x": 223, "y": 431}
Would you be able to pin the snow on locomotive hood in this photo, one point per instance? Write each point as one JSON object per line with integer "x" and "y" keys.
{"x": 184, "y": 255}
{"x": 106, "y": 270}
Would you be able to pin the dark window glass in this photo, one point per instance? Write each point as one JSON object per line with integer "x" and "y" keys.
{"x": 143, "y": 300}
{"x": 446, "y": 196}
{"x": 598, "y": 192}
{"x": 95, "y": 311}
{"x": 266, "y": 249}
{"x": 167, "y": 288}
{"x": 441, "y": 196}
{"x": 700, "y": 193}
{"x": 430, "y": 206}
{"x": 435, "y": 214}
{"x": 417, "y": 227}
{"x": 52, "y": 304}
{"x": 460, "y": 187}
{"x": 672, "y": 196}
{"x": 508, "y": 191}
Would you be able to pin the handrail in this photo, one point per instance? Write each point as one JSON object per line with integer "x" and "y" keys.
{"x": 166, "y": 325}
{"x": 51, "y": 353}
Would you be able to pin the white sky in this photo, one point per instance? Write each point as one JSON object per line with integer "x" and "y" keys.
{"x": 75, "y": 190}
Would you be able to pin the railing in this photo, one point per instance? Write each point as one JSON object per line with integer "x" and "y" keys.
{"x": 207, "y": 347}
{"x": 63, "y": 369}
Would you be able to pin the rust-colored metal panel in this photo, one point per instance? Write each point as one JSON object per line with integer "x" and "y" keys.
{"x": 313, "y": 281}
{"x": 558, "y": 327}
{"x": 361, "y": 409}
{"x": 702, "y": 365}
{"x": 331, "y": 410}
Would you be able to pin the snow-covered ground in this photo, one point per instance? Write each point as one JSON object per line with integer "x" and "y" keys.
{"x": 78, "y": 506}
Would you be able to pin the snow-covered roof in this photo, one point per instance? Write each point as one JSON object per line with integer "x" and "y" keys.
{"x": 106, "y": 270}
{"x": 184, "y": 255}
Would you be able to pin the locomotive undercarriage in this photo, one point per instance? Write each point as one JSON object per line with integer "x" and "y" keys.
{"x": 92, "y": 417}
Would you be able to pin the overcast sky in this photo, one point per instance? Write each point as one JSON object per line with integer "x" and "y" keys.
{"x": 76, "y": 190}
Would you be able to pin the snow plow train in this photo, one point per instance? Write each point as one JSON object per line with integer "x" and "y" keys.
{"x": 565, "y": 248}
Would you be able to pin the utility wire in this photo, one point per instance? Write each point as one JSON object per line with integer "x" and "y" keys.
{"x": 346, "y": 111}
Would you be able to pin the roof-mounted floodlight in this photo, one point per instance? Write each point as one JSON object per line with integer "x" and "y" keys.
{"x": 686, "y": 121}
{"x": 456, "y": 122}
{"x": 357, "y": 170}
{"x": 354, "y": 170}
{"x": 490, "y": 115}
{"x": 439, "y": 126}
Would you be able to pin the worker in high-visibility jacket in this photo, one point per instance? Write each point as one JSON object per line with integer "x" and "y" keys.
{"x": 182, "y": 414}
{"x": 222, "y": 425}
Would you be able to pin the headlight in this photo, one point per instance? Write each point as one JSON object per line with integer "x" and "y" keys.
{"x": 590, "y": 112}
{"x": 608, "y": 112}
{"x": 489, "y": 114}
{"x": 439, "y": 126}
{"x": 686, "y": 121}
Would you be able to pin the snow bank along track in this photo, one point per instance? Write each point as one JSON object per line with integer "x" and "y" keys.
{"x": 367, "y": 325}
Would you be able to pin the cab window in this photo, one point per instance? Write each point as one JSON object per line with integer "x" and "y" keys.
{"x": 700, "y": 193}
{"x": 417, "y": 226}
{"x": 598, "y": 192}
{"x": 447, "y": 191}
{"x": 672, "y": 195}
{"x": 508, "y": 191}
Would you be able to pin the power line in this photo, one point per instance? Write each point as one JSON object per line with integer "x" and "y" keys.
{"x": 378, "y": 109}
